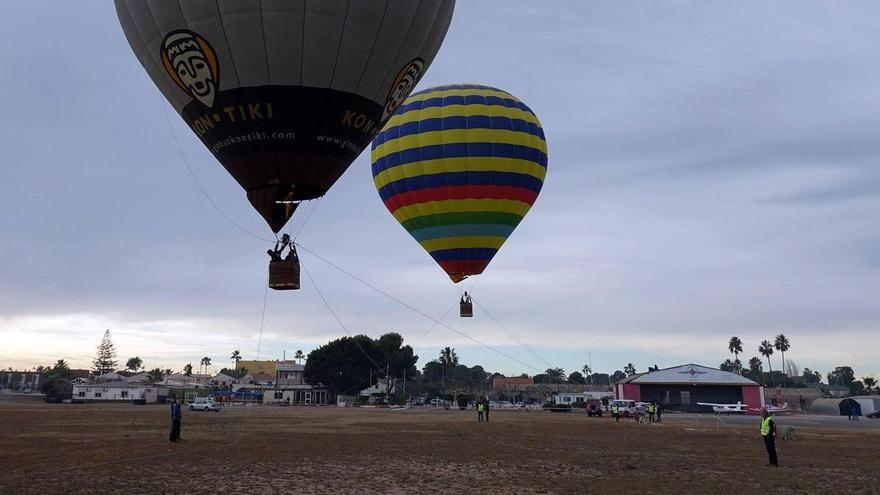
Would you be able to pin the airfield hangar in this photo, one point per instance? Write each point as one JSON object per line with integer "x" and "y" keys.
{"x": 680, "y": 388}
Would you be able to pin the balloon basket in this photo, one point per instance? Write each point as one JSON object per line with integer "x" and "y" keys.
{"x": 284, "y": 275}
{"x": 466, "y": 309}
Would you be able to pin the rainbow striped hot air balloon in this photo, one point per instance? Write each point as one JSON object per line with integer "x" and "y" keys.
{"x": 459, "y": 166}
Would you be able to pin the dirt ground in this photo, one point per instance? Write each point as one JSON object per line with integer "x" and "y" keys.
{"x": 124, "y": 449}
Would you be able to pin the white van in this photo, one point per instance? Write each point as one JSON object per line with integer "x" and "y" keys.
{"x": 626, "y": 407}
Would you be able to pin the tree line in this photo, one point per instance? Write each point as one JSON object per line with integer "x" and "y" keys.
{"x": 791, "y": 375}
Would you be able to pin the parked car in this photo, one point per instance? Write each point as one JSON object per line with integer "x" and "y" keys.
{"x": 626, "y": 407}
{"x": 204, "y": 405}
{"x": 642, "y": 408}
{"x": 594, "y": 410}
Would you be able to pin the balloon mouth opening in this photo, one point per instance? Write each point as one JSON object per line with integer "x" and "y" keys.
{"x": 457, "y": 277}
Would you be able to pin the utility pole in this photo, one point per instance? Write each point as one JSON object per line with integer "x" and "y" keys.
{"x": 590, "y": 360}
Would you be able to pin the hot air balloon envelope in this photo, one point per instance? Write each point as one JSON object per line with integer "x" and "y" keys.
{"x": 459, "y": 166}
{"x": 285, "y": 93}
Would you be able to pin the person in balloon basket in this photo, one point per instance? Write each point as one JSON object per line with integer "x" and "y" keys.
{"x": 175, "y": 421}
{"x": 768, "y": 433}
{"x": 280, "y": 246}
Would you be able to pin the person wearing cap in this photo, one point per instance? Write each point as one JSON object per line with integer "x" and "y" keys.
{"x": 768, "y": 433}
{"x": 174, "y": 436}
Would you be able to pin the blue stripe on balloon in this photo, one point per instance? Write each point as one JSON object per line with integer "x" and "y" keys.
{"x": 458, "y": 122}
{"x": 459, "y": 150}
{"x": 482, "y": 178}
{"x": 463, "y": 254}
{"x": 442, "y": 101}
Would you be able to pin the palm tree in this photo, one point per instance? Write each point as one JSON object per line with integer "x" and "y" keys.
{"x": 629, "y": 369}
{"x": 735, "y": 346}
{"x": 556, "y": 375}
{"x": 299, "y": 356}
{"x": 588, "y": 372}
{"x": 766, "y": 350}
{"x": 61, "y": 367}
{"x": 236, "y": 356}
{"x": 188, "y": 369}
{"x": 870, "y": 382}
{"x": 448, "y": 361}
{"x": 782, "y": 344}
{"x": 207, "y": 362}
{"x": 756, "y": 368}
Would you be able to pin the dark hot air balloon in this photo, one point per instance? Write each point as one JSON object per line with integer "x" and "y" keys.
{"x": 285, "y": 93}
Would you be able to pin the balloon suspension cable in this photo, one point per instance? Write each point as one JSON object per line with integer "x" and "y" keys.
{"x": 308, "y": 217}
{"x": 416, "y": 310}
{"x": 512, "y": 335}
{"x": 339, "y": 321}
{"x": 199, "y": 184}
{"x": 442, "y": 317}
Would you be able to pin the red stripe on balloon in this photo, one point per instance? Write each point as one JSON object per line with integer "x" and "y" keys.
{"x": 464, "y": 267}
{"x": 515, "y": 193}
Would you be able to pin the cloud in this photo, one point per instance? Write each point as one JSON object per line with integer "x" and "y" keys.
{"x": 712, "y": 172}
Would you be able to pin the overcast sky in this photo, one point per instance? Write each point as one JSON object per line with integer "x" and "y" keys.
{"x": 713, "y": 172}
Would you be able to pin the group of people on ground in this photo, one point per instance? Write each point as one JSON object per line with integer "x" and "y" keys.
{"x": 853, "y": 414}
{"x": 482, "y": 407}
{"x": 652, "y": 413}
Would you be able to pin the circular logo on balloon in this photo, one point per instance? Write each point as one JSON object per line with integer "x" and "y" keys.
{"x": 403, "y": 85}
{"x": 192, "y": 63}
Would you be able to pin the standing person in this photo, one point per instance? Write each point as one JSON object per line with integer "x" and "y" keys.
{"x": 486, "y": 409}
{"x": 658, "y": 409}
{"x": 651, "y": 412}
{"x": 175, "y": 421}
{"x": 615, "y": 412}
{"x": 480, "y": 411}
{"x": 768, "y": 432}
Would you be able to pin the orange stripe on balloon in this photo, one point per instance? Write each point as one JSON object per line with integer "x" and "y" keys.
{"x": 515, "y": 193}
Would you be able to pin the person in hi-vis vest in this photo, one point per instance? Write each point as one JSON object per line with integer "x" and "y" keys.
{"x": 768, "y": 433}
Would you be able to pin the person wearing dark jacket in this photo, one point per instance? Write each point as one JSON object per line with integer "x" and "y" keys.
{"x": 175, "y": 421}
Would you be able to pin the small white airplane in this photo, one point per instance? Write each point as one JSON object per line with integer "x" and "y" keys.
{"x": 739, "y": 407}
{"x": 773, "y": 409}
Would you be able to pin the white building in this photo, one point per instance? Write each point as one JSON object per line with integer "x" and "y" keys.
{"x": 571, "y": 398}
{"x": 380, "y": 388}
{"x": 194, "y": 380}
{"x": 117, "y": 392}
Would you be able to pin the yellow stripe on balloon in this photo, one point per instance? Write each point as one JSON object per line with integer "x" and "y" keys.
{"x": 461, "y": 206}
{"x": 486, "y": 242}
{"x": 450, "y": 136}
{"x": 442, "y": 93}
{"x": 464, "y": 164}
{"x": 416, "y": 115}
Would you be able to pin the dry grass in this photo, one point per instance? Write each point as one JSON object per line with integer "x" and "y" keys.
{"x": 124, "y": 448}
